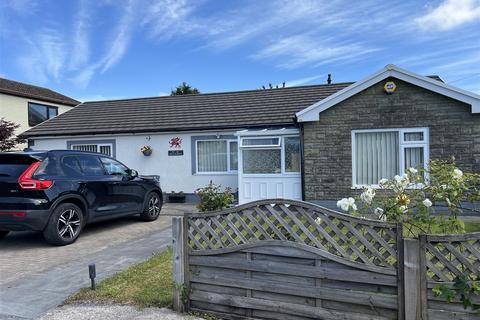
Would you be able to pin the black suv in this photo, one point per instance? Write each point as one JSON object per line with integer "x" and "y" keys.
{"x": 58, "y": 192}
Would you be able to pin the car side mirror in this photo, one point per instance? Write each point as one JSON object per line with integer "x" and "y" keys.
{"x": 132, "y": 174}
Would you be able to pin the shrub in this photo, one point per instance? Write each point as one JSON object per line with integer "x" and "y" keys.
{"x": 212, "y": 199}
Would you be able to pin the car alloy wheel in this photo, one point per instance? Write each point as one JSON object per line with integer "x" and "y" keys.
{"x": 154, "y": 206}
{"x": 69, "y": 224}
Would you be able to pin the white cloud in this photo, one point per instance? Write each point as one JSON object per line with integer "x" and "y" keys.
{"x": 45, "y": 55}
{"x": 99, "y": 97}
{"x": 122, "y": 37}
{"x": 117, "y": 48}
{"x": 302, "y": 81}
{"x": 81, "y": 46}
{"x": 450, "y": 14}
{"x": 22, "y": 7}
{"x": 167, "y": 18}
{"x": 301, "y": 50}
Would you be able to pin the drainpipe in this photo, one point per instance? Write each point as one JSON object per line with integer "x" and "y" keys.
{"x": 302, "y": 162}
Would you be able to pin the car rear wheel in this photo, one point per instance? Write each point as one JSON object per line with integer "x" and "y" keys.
{"x": 65, "y": 225}
{"x": 3, "y": 234}
{"x": 152, "y": 209}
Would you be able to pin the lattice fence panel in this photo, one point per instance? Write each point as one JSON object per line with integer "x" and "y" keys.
{"x": 363, "y": 241}
{"x": 451, "y": 256}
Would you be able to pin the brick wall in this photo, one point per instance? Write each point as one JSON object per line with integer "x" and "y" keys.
{"x": 454, "y": 130}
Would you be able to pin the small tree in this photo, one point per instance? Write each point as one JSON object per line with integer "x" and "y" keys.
{"x": 8, "y": 140}
{"x": 184, "y": 88}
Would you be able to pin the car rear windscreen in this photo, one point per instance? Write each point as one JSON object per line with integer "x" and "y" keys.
{"x": 12, "y": 170}
{"x": 13, "y": 167}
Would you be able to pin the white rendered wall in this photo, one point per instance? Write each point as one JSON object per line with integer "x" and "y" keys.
{"x": 175, "y": 171}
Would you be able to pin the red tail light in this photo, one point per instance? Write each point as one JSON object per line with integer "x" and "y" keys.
{"x": 27, "y": 183}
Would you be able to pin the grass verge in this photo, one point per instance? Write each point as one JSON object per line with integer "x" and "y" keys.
{"x": 147, "y": 284}
{"x": 472, "y": 226}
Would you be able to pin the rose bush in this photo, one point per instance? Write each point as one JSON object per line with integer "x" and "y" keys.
{"x": 424, "y": 200}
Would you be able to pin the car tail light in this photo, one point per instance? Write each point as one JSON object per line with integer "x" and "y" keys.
{"x": 26, "y": 181}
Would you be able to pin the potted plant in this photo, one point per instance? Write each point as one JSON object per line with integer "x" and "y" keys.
{"x": 176, "y": 197}
{"x": 146, "y": 150}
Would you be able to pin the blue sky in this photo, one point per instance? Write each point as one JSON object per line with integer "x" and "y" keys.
{"x": 109, "y": 49}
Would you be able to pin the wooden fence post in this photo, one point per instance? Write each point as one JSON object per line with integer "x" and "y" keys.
{"x": 411, "y": 279}
{"x": 423, "y": 277}
{"x": 179, "y": 264}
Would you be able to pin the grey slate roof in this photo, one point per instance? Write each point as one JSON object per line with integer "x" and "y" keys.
{"x": 242, "y": 109}
{"x": 29, "y": 91}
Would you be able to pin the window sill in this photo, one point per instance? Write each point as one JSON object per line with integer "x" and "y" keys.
{"x": 215, "y": 173}
{"x": 378, "y": 187}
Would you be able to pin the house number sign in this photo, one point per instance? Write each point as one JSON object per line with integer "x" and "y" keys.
{"x": 175, "y": 153}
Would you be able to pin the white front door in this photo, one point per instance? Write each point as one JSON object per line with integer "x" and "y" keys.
{"x": 269, "y": 165}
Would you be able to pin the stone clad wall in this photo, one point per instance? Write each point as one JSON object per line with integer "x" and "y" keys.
{"x": 454, "y": 131}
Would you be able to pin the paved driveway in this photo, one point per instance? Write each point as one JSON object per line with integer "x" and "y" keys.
{"x": 35, "y": 277}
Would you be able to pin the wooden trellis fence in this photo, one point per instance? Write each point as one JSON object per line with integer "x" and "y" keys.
{"x": 283, "y": 259}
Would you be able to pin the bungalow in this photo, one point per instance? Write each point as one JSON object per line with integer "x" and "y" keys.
{"x": 316, "y": 143}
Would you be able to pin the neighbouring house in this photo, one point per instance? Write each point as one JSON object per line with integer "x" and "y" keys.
{"x": 29, "y": 105}
{"x": 316, "y": 143}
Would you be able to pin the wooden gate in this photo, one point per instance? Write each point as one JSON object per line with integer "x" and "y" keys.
{"x": 283, "y": 259}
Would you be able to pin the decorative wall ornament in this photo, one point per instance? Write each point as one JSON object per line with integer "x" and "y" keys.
{"x": 390, "y": 87}
{"x": 176, "y": 143}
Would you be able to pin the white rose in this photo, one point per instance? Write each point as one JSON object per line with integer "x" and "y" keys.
{"x": 383, "y": 181}
{"x": 368, "y": 195}
{"x": 427, "y": 203}
{"x": 412, "y": 170}
{"x": 346, "y": 203}
{"x": 457, "y": 174}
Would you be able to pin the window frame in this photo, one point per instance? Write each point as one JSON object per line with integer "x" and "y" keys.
{"x": 280, "y": 146}
{"x": 402, "y": 144}
{"x": 46, "y": 106}
{"x": 262, "y": 146}
{"x": 229, "y": 170}
{"x": 73, "y": 144}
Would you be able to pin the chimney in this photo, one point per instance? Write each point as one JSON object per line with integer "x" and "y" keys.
{"x": 329, "y": 79}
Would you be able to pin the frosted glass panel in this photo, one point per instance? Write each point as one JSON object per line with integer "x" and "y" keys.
{"x": 261, "y": 161}
{"x": 376, "y": 156}
{"x": 212, "y": 156}
{"x": 292, "y": 154}
{"x": 413, "y": 136}
{"x": 234, "y": 155}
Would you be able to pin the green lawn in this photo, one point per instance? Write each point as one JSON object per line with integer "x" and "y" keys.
{"x": 472, "y": 226}
{"x": 147, "y": 284}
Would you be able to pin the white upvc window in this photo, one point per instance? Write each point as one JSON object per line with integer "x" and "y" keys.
{"x": 270, "y": 155}
{"x": 104, "y": 148}
{"x": 384, "y": 153}
{"x": 216, "y": 156}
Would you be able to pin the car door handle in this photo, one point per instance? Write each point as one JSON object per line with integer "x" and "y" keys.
{"x": 114, "y": 182}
